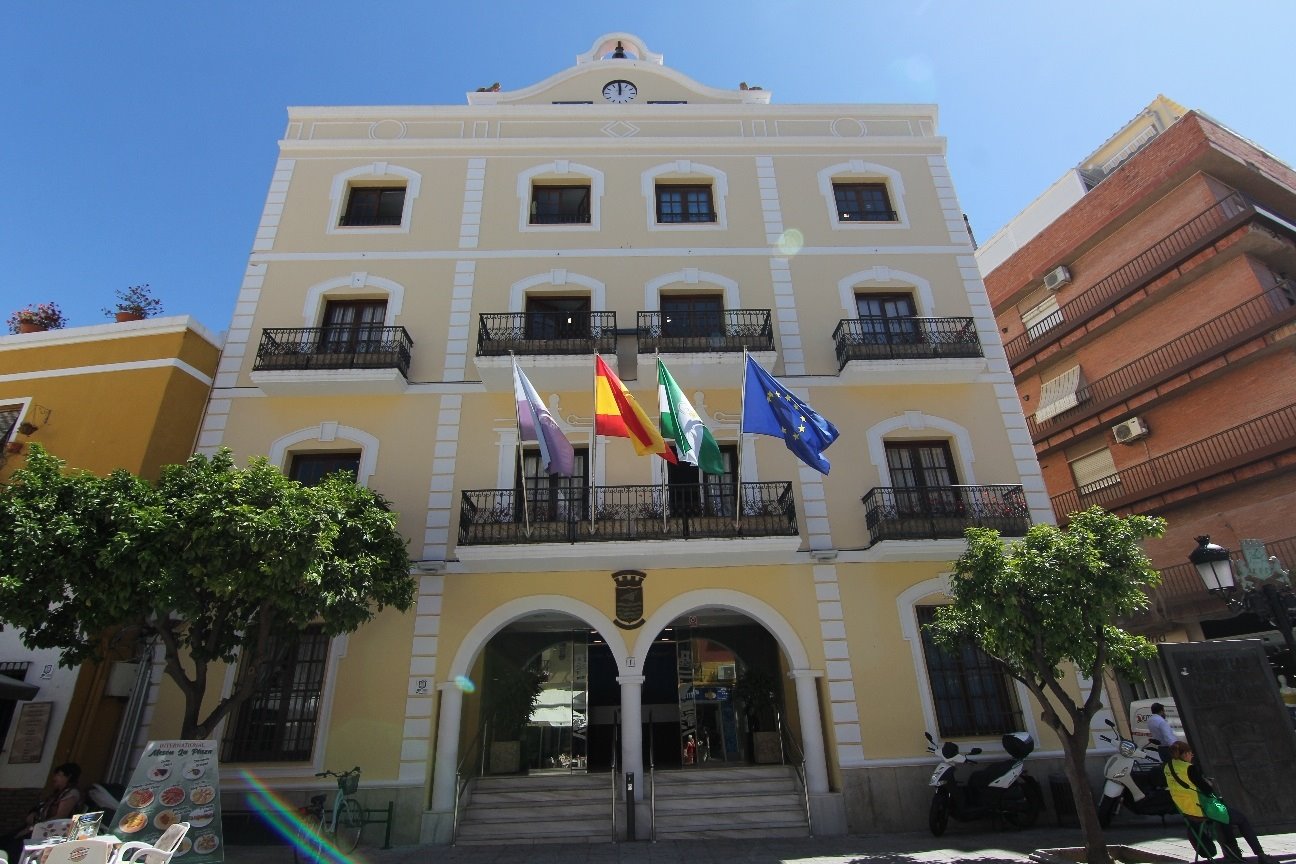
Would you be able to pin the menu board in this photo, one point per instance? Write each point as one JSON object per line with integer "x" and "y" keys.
{"x": 175, "y": 781}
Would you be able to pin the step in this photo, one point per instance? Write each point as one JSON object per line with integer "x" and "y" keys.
{"x": 544, "y": 781}
{"x": 568, "y": 828}
{"x": 728, "y": 787}
{"x": 732, "y": 833}
{"x": 535, "y": 841}
{"x": 782, "y": 801}
{"x": 541, "y": 796}
{"x": 555, "y": 812}
{"x": 737, "y": 772}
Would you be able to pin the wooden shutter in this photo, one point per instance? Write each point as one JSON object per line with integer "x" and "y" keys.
{"x": 1094, "y": 471}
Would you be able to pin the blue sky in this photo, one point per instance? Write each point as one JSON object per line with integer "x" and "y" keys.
{"x": 139, "y": 137}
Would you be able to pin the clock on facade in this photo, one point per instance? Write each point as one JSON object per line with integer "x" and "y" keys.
{"x": 619, "y": 91}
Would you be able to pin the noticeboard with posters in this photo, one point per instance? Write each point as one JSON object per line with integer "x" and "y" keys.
{"x": 175, "y": 781}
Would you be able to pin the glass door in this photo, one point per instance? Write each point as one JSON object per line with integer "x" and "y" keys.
{"x": 560, "y": 719}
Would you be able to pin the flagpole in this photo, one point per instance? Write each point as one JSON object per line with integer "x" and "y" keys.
{"x": 593, "y": 460}
{"x": 526, "y": 513}
{"x": 742, "y": 412}
{"x": 664, "y": 471}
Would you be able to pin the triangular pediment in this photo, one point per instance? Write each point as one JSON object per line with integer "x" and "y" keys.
{"x": 618, "y": 70}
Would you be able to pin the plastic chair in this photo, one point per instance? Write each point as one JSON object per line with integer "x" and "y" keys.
{"x": 92, "y": 850}
{"x": 135, "y": 851}
{"x": 51, "y": 829}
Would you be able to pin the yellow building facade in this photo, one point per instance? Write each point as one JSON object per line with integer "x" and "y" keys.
{"x": 408, "y": 256}
{"x": 126, "y": 396}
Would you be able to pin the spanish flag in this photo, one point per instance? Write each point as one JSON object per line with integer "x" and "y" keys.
{"x": 616, "y": 413}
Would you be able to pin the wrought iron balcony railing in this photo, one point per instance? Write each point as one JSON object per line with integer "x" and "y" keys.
{"x": 700, "y": 331}
{"x": 878, "y": 338}
{"x": 498, "y": 333}
{"x": 866, "y": 215}
{"x": 356, "y": 346}
{"x": 1140, "y": 270}
{"x": 582, "y": 218}
{"x": 1255, "y": 439}
{"x": 676, "y": 512}
{"x": 1259, "y": 314}
{"x": 936, "y": 512}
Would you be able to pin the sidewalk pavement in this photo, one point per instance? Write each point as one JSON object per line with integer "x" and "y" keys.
{"x": 962, "y": 843}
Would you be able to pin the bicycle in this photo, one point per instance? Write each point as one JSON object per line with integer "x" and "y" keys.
{"x": 340, "y": 827}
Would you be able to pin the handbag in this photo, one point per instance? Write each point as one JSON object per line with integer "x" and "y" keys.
{"x": 1212, "y": 806}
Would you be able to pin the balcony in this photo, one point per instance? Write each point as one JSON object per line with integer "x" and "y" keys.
{"x": 333, "y": 360}
{"x": 704, "y": 348}
{"x": 1169, "y": 362}
{"x": 943, "y": 512}
{"x": 1160, "y": 258}
{"x": 558, "y": 347}
{"x": 496, "y": 518}
{"x": 909, "y": 350}
{"x": 1157, "y": 482}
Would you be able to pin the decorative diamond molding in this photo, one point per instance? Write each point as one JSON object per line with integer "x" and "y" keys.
{"x": 621, "y": 129}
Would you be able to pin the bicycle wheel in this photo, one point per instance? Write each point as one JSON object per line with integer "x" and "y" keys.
{"x": 309, "y": 846}
{"x": 350, "y": 822}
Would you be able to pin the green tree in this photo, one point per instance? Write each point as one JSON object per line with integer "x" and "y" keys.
{"x": 219, "y": 562}
{"x": 1050, "y": 602}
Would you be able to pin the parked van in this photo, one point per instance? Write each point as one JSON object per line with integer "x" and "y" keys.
{"x": 1139, "y": 712}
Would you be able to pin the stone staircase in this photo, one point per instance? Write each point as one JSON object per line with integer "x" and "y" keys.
{"x": 544, "y": 808}
{"x": 747, "y": 801}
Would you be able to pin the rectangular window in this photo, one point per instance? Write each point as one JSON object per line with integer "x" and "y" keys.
{"x": 557, "y": 318}
{"x": 1062, "y": 393}
{"x": 685, "y": 204}
{"x": 692, "y": 315}
{"x": 863, "y": 202}
{"x": 1042, "y": 317}
{"x": 695, "y": 493}
{"x": 277, "y": 724}
{"x": 1094, "y": 471}
{"x": 560, "y": 205}
{"x": 922, "y": 474}
{"x": 373, "y": 205}
{"x": 8, "y": 420}
{"x": 17, "y": 670}
{"x": 353, "y": 327}
{"x": 973, "y": 695}
{"x": 310, "y": 469}
{"x": 887, "y": 319}
{"x": 550, "y": 497}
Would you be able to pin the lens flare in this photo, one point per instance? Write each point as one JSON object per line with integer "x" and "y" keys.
{"x": 790, "y": 242}
{"x": 464, "y": 683}
{"x": 288, "y": 822}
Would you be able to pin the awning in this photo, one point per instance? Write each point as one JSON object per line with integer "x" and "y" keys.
{"x": 12, "y": 688}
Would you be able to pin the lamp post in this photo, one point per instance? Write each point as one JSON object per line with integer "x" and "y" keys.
{"x": 1265, "y": 589}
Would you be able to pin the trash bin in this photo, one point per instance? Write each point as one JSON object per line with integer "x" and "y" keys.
{"x": 1063, "y": 800}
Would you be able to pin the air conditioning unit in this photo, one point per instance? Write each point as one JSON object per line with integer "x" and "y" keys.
{"x": 1056, "y": 278}
{"x": 1129, "y": 431}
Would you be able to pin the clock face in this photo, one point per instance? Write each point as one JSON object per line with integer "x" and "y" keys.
{"x": 619, "y": 91}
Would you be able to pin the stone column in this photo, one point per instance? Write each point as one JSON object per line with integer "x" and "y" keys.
{"x": 632, "y": 729}
{"x": 447, "y": 748}
{"x": 812, "y": 743}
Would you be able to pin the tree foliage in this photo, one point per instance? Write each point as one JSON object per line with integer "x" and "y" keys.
{"x": 219, "y": 562}
{"x": 1050, "y": 602}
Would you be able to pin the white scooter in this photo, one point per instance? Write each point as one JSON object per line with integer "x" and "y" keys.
{"x": 1134, "y": 780}
{"x": 1001, "y": 791}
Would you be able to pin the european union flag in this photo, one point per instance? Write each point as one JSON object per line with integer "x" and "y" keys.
{"x": 769, "y": 409}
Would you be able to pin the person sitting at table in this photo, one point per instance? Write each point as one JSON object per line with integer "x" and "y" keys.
{"x": 59, "y": 804}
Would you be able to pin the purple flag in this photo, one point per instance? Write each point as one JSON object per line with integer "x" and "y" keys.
{"x": 556, "y": 453}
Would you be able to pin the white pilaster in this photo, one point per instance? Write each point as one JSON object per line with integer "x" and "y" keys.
{"x": 812, "y": 743}
{"x": 632, "y": 729}
{"x": 447, "y": 750}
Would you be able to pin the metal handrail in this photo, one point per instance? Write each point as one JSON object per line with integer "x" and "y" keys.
{"x": 933, "y": 512}
{"x": 705, "y": 330}
{"x": 1238, "y": 445}
{"x": 1258, "y": 314}
{"x": 1139, "y": 270}
{"x": 461, "y": 782}
{"x": 340, "y": 346}
{"x": 873, "y": 337}
{"x": 798, "y": 766}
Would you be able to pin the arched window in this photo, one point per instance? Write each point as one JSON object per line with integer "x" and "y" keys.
{"x": 863, "y": 195}
{"x": 685, "y": 196}
{"x": 560, "y": 195}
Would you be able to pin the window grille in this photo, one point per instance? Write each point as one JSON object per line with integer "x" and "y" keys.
{"x": 277, "y": 724}
{"x": 972, "y": 693}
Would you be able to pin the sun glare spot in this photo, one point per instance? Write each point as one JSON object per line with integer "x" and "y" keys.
{"x": 464, "y": 683}
{"x": 790, "y": 242}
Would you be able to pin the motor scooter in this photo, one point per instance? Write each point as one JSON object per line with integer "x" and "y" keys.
{"x": 1135, "y": 780}
{"x": 1001, "y": 791}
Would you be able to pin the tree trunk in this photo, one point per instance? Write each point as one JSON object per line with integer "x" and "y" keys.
{"x": 1075, "y": 745}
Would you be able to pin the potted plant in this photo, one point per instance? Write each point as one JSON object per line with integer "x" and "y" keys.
{"x": 134, "y": 304}
{"x": 759, "y": 693}
{"x": 37, "y": 317}
{"x": 510, "y": 698}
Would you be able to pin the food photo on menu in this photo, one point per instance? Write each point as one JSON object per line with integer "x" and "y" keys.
{"x": 175, "y": 781}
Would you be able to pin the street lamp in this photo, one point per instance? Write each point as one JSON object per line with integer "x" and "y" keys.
{"x": 1265, "y": 589}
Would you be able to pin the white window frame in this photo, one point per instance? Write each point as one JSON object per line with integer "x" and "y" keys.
{"x": 859, "y": 171}
{"x": 565, "y": 171}
{"x": 685, "y": 171}
{"x": 373, "y": 174}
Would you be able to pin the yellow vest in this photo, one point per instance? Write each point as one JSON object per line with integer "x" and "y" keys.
{"x": 1184, "y": 798}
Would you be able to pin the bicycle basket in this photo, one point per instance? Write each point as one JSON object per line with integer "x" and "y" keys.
{"x": 349, "y": 784}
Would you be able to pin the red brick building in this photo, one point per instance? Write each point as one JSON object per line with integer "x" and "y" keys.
{"x": 1150, "y": 328}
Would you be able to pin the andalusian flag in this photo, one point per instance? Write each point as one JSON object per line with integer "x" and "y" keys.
{"x": 693, "y": 441}
{"x": 616, "y": 413}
